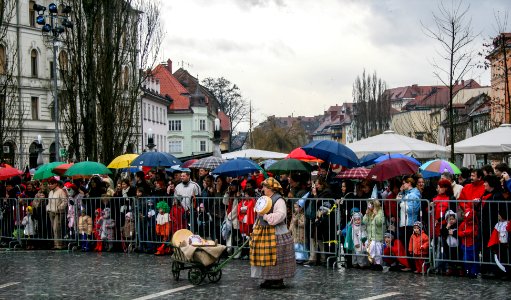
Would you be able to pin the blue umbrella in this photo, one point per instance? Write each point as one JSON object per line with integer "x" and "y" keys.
{"x": 236, "y": 167}
{"x": 332, "y": 152}
{"x": 396, "y": 155}
{"x": 368, "y": 159}
{"x": 156, "y": 159}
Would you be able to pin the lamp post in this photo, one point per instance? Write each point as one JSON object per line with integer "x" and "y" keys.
{"x": 150, "y": 140}
{"x": 39, "y": 151}
{"x": 58, "y": 23}
{"x": 217, "y": 138}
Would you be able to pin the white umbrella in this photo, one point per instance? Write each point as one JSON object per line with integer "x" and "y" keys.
{"x": 497, "y": 140}
{"x": 469, "y": 160}
{"x": 254, "y": 154}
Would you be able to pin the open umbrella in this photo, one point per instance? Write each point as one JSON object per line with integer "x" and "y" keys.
{"x": 368, "y": 159}
{"x": 87, "y": 168}
{"x": 188, "y": 163}
{"x": 436, "y": 167}
{"x": 267, "y": 163}
{"x": 332, "y": 152}
{"x": 355, "y": 173}
{"x": 396, "y": 155}
{"x": 391, "y": 168}
{"x": 156, "y": 159}
{"x": 8, "y": 172}
{"x": 209, "y": 163}
{"x": 300, "y": 154}
{"x": 122, "y": 161}
{"x": 61, "y": 169}
{"x": 236, "y": 167}
{"x": 46, "y": 171}
{"x": 290, "y": 165}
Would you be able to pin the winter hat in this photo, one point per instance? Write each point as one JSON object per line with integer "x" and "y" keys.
{"x": 29, "y": 209}
{"x": 450, "y": 213}
{"x": 325, "y": 206}
{"x": 301, "y": 203}
{"x": 468, "y": 214}
{"x": 356, "y": 215}
{"x": 128, "y": 215}
{"x": 354, "y": 210}
{"x": 201, "y": 205}
{"x": 389, "y": 233}
{"x": 418, "y": 224}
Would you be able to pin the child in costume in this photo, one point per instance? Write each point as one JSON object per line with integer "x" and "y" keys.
{"x": 297, "y": 229}
{"x": 84, "y": 229}
{"x": 394, "y": 247}
{"x": 148, "y": 218}
{"x": 356, "y": 241}
{"x": 246, "y": 215}
{"x": 467, "y": 234}
{"x": 163, "y": 226}
{"x": 128, "y": 230}
{"x": 107, "y": 229}
{"x": 375, "y": 224}
{"x": 418, "y": 246}
{"x": 499, "y": 242}
{"x": 97, "y": 230}
{"x": 70, "y": 219}
{"x": 203, "y": 222}
{"x": 450, "y": 244}
{"x": 177, "y": 216}
{"x": 30, "y": 227}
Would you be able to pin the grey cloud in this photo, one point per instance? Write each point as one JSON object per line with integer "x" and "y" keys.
{"x": 249, "y": 4}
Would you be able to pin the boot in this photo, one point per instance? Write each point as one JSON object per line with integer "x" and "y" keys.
{"x": 160, "y": 250}
{"x": 99, "y": 247}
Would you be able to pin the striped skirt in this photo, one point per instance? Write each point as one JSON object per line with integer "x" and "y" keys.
{"x": 286, "y": 263}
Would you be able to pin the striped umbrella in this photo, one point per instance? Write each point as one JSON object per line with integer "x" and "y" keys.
{"x": 209, "y": 163}
{"x": 355, "y": 173}
{"x": 436, "y": 167}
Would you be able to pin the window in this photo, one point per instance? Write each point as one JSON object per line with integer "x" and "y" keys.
{"x": 63, "y": 64}
{"x": 202, "y": 146}
{"x": 52, "y": 73}
{"x": 152, "y": 114}
{"x": 35, "y": 108}
{"x": 33, "y": 63}
{"x": 202, "y": 125}
{"x": 175, "y": 125}
{"x": 31, "y": 13}
{"x": 175, "y": 146}
{"x": 145, "y": 111}
{"x": 3, "y": 60}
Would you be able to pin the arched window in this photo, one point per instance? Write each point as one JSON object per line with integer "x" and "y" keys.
{"x": 63, "y": 63}
{"x": 8, "y": 152}
{"x": 3, "y": 60}
{"x": 33, "y": 62}
{"x": 53, "y": 152}
{"x": 33, "y": 154}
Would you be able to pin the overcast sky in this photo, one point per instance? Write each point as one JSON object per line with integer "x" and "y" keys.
{"x": 298, "y": 57}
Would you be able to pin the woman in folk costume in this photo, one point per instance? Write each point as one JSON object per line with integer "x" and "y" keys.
{"x": 272, "y": 255}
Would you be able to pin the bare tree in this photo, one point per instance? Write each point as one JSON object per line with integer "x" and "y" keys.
{"x": 113, "y": 41}
{"x": 272, "y": 136}
{"x": 372, "y": 105}
{"x": 11, "y": 107}
{"x": 231, "y": 101}
{"x": 454, "y": 34}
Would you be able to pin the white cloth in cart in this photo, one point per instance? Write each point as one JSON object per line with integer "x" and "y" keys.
{"x": 204, "y": 255}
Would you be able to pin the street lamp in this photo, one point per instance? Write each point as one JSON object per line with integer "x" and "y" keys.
{"x": 150, "y": 140}
{"x": 58, "y": 24}
{"x": 39, "y": 150}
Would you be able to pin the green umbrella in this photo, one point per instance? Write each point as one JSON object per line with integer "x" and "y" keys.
{"x": 290, "y": 165}
{"x": 87, "y": 168}
{"x": 46, "y": 171}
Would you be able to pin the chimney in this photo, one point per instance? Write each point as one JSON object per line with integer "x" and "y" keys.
{"x": 169, "y": 65}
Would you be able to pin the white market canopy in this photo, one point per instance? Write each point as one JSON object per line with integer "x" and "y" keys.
{"x": 254, "y": 154}
{"x": 390, "y": 142}
{"x": 497, "y": 140}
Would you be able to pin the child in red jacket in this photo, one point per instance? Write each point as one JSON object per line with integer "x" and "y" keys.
{"x": 467, "y": 234}
{"x": 418, "y": 246}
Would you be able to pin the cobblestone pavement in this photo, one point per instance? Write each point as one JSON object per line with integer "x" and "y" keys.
{"x": 60, "y": 274}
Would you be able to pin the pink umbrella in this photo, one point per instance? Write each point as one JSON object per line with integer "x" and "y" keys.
{"x": 355, "y": 173}
{"x": 8, "y": 172}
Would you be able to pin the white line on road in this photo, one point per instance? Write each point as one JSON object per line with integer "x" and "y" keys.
{"x": 8, "y": 284}
{"x": 165, "y": 292}
{"x": 381, "y": 296}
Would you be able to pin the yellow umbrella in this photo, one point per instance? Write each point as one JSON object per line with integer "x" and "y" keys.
{"x": 122, "y": 161}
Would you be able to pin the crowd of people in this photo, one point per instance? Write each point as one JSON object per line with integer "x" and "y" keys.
{"x": 404, "y": 224}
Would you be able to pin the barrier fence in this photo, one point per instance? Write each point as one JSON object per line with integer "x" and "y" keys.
{"x": 353, "y": 232}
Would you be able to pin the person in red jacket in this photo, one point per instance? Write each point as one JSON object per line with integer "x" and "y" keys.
{"x": 472, "y": 192}
{"x": 392, "y": 251}
{"x": 467, "y": 234}
{"x": 418, "y": 246}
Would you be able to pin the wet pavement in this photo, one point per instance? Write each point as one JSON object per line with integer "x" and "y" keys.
{"x": 62, "y": 274}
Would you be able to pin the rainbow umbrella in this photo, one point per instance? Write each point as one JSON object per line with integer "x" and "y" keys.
{"x": 436, "y": 167}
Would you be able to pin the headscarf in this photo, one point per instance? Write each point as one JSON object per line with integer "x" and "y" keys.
{"x": 273, "y": 184}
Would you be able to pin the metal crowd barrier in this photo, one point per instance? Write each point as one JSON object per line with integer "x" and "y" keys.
{"x": 9, "y": 222}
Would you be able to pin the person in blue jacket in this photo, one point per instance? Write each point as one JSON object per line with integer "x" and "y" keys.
{"x": 409, "y": 208}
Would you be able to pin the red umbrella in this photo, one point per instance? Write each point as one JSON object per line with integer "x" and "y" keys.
{"x": 300, "y": 154}
{"x": 355, "y": 173}
{"x": 188, "y": 163}
{"x": 61, "y": 169}
{"x": 391, "y": 168}
{"x": 8, "y": 172}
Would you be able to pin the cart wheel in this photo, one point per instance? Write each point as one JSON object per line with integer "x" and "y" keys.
{"x": 214, "y": 277}
{"x": 195, "y": 276}
{"x": 175, "y": 270}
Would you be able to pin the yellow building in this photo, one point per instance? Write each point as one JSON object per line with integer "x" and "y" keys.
{"x": 500, "y": 60}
